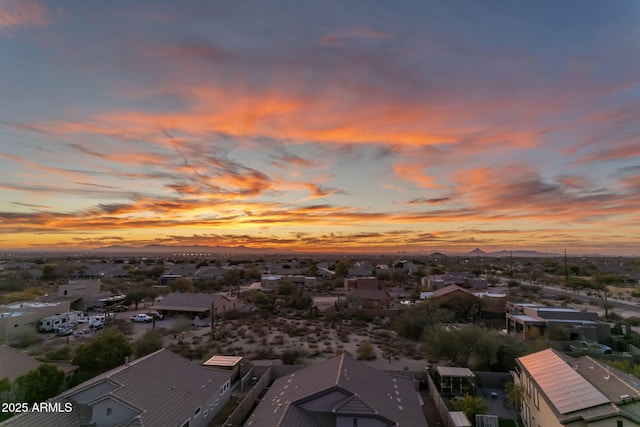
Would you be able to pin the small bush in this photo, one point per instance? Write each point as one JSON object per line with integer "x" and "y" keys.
{"x": 292, "y": 356}
{"x": 366, "y": 351}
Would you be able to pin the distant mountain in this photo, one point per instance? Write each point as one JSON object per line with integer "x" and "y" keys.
{"x": 477, "y": 252}
{"x": 185, "y": 249}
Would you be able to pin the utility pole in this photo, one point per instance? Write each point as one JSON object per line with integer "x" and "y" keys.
{"x": 566, "y": 268}
{"x": 511, "y": 261}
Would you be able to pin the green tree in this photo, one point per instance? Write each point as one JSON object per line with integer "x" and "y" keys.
{"x": 182, "y": 285}
{"x": 6, "y": 395}
{"x": 49, "y": 272}
{"x": 514, "y": 393}
{"x": 341, "y": 268}
{"x": 39, "y": 384}
{"x": 399, "y": 276}
{"x": 148, "y": 343}
{"x": 156, "y": 270}
{"x": 102, "y": 353}
{"x": 231, "y": 277}
{"x": 470, "y": 405}
{"x": 412, "y": 322}
{"x": 137, "y": 295}
{"x": 287, "y": 289}
{"x": 302, "y": 301}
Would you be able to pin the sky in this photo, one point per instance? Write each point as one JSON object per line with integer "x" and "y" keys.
{"x": 369, "y": 126}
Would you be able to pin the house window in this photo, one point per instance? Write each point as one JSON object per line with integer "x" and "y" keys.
{"x": 197, "y": 412}
{"x": 109, "y": 412}
{"x": 65, "y": 292}
{"x": 619, "y": 424}
{"x": 355, "y": 422}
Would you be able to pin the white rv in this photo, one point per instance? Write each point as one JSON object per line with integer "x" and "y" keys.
{"x": 68, "y": 319}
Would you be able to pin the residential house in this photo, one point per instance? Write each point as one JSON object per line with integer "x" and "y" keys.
{"x": 340, "y": 391}
{"x": 15, "y": 364}
{"x": 82, "y": 294}
{"x": 433, "y": 283}
{"x": 530, "y": 320}
{"x": 361, "y": 269}
{"x": 161, "y": 389}
{"x": 361, "y": 283}
{"x": 21, "y": 318}
{"x": 196, "y": 304}
{"x": 583, "y": 392}
{"x": 208, "y": 273}
{"x": 369, "y": 298}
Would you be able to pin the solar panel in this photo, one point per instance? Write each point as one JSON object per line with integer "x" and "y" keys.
{"x": 567, "y": 390}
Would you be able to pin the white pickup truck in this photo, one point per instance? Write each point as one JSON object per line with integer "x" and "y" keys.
{"x": 590, "y": 347}
{"x": 141, "y": 318}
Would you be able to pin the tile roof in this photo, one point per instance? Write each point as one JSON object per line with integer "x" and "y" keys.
{"x": 375, "y": 294}
{"x": 450, "y": 289}
{"x": 15, "y": 364}
{"x": 355, "y": 387}
{"x": 618, "y": 386}
{"x": 187, "y": 301}
{"x": 163, "y": 387}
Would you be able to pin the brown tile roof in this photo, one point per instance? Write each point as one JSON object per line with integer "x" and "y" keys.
{"x": 365, "y": 390}
{"x": 450, "y": 289}
{"x": 373, "y": 294}
{"x": 164, "y": 387}
{"x": 187, "y": 301}
{"x": 15, "y": 364}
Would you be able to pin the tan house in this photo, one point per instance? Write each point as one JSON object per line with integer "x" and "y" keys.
{"x": 196, "y": 304}
{"x": 562, "y": 391}
{"x": 161, "y": 389}
{"x": 361, "y": 283}
{"x": 20, "y": 318}
{"x": 369, "y": 298}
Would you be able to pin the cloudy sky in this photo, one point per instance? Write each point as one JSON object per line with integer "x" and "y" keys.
{"x": 308, "y": 125}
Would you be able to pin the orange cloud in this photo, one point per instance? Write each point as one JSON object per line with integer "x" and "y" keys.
{"x": 359, "y": 32}
{"x": 22, "y": 13}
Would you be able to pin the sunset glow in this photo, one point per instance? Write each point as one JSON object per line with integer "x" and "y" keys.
{"x": 321, "y": 126}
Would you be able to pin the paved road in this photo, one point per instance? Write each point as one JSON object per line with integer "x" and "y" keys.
{"x": 613, "y": 303}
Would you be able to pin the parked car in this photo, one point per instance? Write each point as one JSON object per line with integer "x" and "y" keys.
{"x": 155, "y": 314}
{"x": 590, "y": 347}
{"x": 119, "y": 308}
{"x": 141, "y": 318}
{"x": 64, "y": 331}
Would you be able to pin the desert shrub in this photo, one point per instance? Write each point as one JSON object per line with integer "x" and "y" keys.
{"x": 292, "y": 356}
{"x": 363, "y": 316}
{"x": 263, "y": 353}
{"x": 180, "y": 325}
{"x": 366, "y": 351}
{"x": 148, "y": 343}
{"x": 64, "y": 352}
{"x": 633, "y": 321}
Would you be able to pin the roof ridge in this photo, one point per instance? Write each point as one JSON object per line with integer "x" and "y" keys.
{"x": 128, "y": 364}
{"x": 339, "y": 369}
{"x": 614, "y": 374}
